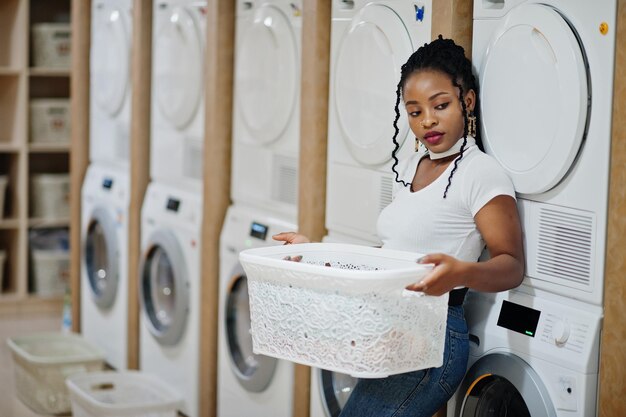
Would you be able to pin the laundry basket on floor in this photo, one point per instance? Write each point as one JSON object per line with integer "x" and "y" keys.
{"x": 344, "y": 308}
{"x": 122, "y": 394}
{"x": 42, "y": 361}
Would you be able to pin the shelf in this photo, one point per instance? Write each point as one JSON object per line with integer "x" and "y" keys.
{"x": 48, "y": 147}
{"x": 8, "y": 147}
{"x": 9, "y": 224}
{"x": 12, "y": 303}
{"x": 48, "y": 72}
{"x": 9, "y": 71}
{"x": 48, "y": 223}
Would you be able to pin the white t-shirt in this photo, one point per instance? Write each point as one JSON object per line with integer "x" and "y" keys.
{"x": 425, "y": 222}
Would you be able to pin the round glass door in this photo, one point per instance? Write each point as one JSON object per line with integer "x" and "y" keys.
{"x": 178, "y": 66}
{"x": 494, "y": 396}
{"x": 367, "y": 72}
{"x": 534, "y": 97}
{"x": 101, "y": 258}
{"x": 110, "y": 59}
{"x": 266, "y": 74}
{"x": 164, "y": 289}
{"x": 254, "y": 372}
{"x": 336, "y": 388}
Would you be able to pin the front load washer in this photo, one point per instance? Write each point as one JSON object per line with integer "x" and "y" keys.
{"x": 248, "y": 384}
{"x": 370, "y": 40}
{"x": 104, "y": 263}
{"x": 110, "y": 102}
{"x": 177, "y": 125}
{"x": 169, "y": 289}
{"x": 529, "y": 357}
{"x": 266, "y": 108}
{"x": 545, "y": 71}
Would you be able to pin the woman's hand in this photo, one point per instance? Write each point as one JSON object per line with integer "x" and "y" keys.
{"x": 447, "y": 274}
{"x": 291, "y": 238}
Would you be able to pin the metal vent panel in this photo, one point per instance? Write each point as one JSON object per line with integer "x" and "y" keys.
{"x": 386, "y": 189}
{"x": 285, "y": 184}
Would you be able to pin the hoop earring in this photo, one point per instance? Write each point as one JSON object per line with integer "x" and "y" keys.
{"x": 471, "y": 124}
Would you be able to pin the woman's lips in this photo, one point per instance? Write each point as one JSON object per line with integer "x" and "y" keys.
{"x": 433, "y": 137}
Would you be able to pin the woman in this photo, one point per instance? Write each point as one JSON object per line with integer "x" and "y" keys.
{"x": 451, "y": 201}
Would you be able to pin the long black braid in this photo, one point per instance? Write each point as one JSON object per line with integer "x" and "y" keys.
{"x": 445, "y": 56}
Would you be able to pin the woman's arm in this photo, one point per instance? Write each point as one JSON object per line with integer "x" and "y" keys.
{"x": 499, "y": 224}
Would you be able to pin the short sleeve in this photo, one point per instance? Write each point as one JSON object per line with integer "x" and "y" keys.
{"x": 485, "y": 180}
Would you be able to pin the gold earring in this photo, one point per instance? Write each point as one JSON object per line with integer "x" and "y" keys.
{"x": 417, "y": 144}
{"x": 471, "y": 124}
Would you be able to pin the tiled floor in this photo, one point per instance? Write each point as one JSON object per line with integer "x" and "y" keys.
{"x": 10, "y": 405}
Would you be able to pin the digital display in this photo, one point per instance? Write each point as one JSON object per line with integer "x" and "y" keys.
{"x": 518, "y": 318}
{"x": 258, "y": 230}
{"x": 107, "y": 183}
{"x": 173, "y": 204}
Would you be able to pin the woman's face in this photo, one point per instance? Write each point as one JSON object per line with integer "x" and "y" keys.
{"x": 434, "y": 111}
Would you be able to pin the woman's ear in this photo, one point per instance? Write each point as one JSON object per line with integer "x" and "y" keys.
{"x": 470, "y": 100}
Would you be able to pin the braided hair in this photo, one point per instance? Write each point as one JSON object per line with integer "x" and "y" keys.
{"x": 445, "y": 56}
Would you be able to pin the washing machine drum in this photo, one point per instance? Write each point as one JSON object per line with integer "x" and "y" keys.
{"x": 502, "y": 384}
{"x": 366, "y": 74}
{"x": 535, "y": 97}
{"x": 254, "y": 372}
{"x": 267, "y": 74}
{"x": 164, "y": 288}
{"x": 178, "y": 66}
{"x": 101, "y": 257}
{"x": 335, "y": 389}
{"x": 110, "y": 62}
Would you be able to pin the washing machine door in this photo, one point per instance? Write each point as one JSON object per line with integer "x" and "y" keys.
{"x": 164, "y": 288}
{"x": 502, "y": 384}
{"x": 335, "y": 389}
{"x": 110, "y": 62}
{"x": 178, "y": 65}
{"x": 101, "y": 257}
{"x": 535, "y": 97}
{"x": 267, "y": 74}
{"x": 254, "y": 372}
{"x": 367, "y": 71}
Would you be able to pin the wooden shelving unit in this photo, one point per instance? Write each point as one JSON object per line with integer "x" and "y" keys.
{"x": 20, "y": 82}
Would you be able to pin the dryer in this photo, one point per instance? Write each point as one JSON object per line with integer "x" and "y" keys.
{"x": 169, "y": 289}
{"x": 104, "y": 263}
{"x": 177, "y": 124}
{"x": 110, "y": 82}
{"x": 370, "y": 40}
{"x": 248, "y": 384}
{"x": 530, "y": 356}
{"x": 266, "y": 107}
{"x": 545, "y": 72}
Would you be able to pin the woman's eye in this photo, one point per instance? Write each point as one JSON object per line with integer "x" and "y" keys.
{"x": 414, "y": 113}
{"x": 441, "y": 106}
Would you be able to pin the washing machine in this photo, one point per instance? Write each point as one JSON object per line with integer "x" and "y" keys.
{"x": 104, "y": 263}
{"x": 248, "y": 384}
{"x": 177, "y": 124}
{"x": 110, "y": 82}
{"x": 545, "y": 72}
{"x": 370, "y": 40}
{"x": 169, "y": 289}
{"x": 529, "y": 356}
{"x": 266, "y": 105}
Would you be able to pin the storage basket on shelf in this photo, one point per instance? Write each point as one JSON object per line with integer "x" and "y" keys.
{"x": 50, "y": 120}
{"x": 51, "y": 45}
{"x": 51, "y": 271}
{"x": 122, "y": 394}
{"x": 4, "y": 180}
{"x": 344, "y": 308}
{"x": 3, "y": 257}
{"x": 43, "y": 361}
{"x": 50, "y": 196}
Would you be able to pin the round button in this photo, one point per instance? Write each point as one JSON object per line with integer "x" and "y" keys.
{"x": 560, "y": 332}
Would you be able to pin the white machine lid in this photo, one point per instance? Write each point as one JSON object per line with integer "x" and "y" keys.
{"x": 367, "y": 72}
{"x": 534, "y": 97}
{"x": 178, "y": 67}
{"x": 110, "y": 62}
{"x": 266, "y": 74}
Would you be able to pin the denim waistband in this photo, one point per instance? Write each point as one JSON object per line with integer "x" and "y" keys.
{"x": 456, "y": 311}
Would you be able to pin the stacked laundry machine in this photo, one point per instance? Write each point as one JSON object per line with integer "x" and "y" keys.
{"x": 171, "y": 215}
{"x": 264, "y": 191}
{"x": 105, "y": 192}
{"x": 545, "y": 72}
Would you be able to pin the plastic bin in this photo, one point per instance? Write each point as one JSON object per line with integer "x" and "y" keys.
{"x": 51, "y": 270}
{"x": 3, "y": 257}
{"x": 51, "y": 45}
{"x": 43, "y": 361}
{"x": 344, "y": 308}
{"x": 50, "y": 120}
{"x": 50, "y": 194}
{"x": 122, "y": 394}
{"x": 4, "y": 180}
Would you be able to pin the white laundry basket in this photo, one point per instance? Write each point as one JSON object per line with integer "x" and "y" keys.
{"x": 52, "y": 45}
{"x": 50, "y": 195}
{"x": 51, "y": 270}
{"x": 4, "y": 180}
{"x": 50, "y": 120}
{"x": 43, "y": 361}
{"x": 122, "y": 394}
{"x": 344, "y": 308}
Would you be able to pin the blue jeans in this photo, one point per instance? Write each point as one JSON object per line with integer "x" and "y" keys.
{"x": 419, "y": 393}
